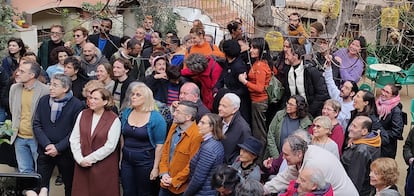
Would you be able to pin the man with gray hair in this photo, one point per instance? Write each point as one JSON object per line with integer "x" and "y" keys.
{"x": 52, "y": 125}
{"x": 300, "y": 155}
{"x": 310, "y": 181}
{"x": 23, "y": 99}
{"x": 235, "y": 128}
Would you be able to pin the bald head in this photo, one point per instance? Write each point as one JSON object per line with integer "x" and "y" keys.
{"x": 359, "y": 127}
{"x": 89, "y": 52}
{"x": 189, "y": 92}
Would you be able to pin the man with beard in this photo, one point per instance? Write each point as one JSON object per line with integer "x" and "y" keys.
{"x": 324, "y": 56}
{"x": 344, "y": 95}
{"x": 90, "y": 59}
{"x": 56, "y": 35}
{"x": 305, "y": 80}
{"x": 106, "y": 42}
{"x": 132, "y": 54}
{"x": 296, "y": 28}
{"x": 23, "y": 100}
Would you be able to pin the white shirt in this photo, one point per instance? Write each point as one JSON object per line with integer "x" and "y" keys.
{"x": 101, "y": 153}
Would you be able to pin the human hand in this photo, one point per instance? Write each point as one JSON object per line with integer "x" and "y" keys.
{"x": 43, "y": 192}
{"x": 328, "y": 60}
{"x": 410, "y": 161}
{"x": 68, "y": 44}
{"x": 85, "y": 163}
{"x": 174, "y": 104}
{"x": 243, "y": 78}
{"x": 338, "y": 59}
{"x": 166, "y": 180}
{"x": 51, "y": 150}
{"x": 154, "y": 173}
{"x": 161, "y": 76}
{"x": 268, "y": 162}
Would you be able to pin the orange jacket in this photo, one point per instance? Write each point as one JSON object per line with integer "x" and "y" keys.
{"x": 179, "y": 167}
{"x": 204, "y": 49}
{"x": 300, "y": 31}
{"x": 258, "y": 80}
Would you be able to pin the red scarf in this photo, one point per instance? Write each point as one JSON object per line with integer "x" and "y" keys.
{"x": 384, "y": 107}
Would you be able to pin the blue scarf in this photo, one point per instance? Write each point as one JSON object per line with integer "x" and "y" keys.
{"x": 56, "y": 106}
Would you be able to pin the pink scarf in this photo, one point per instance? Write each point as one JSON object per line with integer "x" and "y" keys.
{"x": 384, "y": 107}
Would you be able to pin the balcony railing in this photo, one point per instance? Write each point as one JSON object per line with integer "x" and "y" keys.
{"x": 222, "y": 12}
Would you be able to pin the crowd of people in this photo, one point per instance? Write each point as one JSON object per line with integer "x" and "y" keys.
{"x": 165, "y": 116}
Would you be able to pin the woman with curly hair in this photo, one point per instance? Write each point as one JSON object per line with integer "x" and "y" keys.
{"x": 383, "y": 176}
{"x": 204, "y": 71}
{"x": 58, "y": 56}
{"x": 285, "y": 122}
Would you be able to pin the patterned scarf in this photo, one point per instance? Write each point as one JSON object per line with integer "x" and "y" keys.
{"x": 384, "y": 107}
{"x": 56, "y": 106}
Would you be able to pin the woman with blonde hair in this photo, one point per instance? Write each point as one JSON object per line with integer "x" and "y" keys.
{"x": 143, "y": 134}
{"x": 94, "y": 142}
{"x": 383, "y": 176}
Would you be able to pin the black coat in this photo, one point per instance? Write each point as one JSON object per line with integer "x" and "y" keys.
{"x": 237, "y": 132}
{"x": 315, "y": 89}
{"x": 111, "y": 46}
{"x": 356, "y": 161}
{"x": 124, "y": 88}
{"x": 229, "y": 83}
{"x": 146, "y": 52}
{"x": 4, "y": 88}
{"x": 393, "y": 128}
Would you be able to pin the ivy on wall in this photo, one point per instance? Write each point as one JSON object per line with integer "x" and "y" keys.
{"x": 163, "y": 16}
{"x": 6, "y": 21}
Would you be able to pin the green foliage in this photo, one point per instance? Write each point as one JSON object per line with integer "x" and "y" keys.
{"x": 6, "y": 21}
{"x": 95, "y": 10}
{"x": 163, "y": 16}
{"x": 5, "y": 132}
{"x": 401, "y": 56}
{"x": 399, "y": 50}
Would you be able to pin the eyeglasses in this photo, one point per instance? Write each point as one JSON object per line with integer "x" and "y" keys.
{"x": 319, "y": 126}
{"x": 385, "y": 91}
{"x": 54, "y": 85}
{"x": 77, "y": 35}
{"x": 95, "y": 27}
{"x": 55, "y": 33}
{"x": 328, "y": 109}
